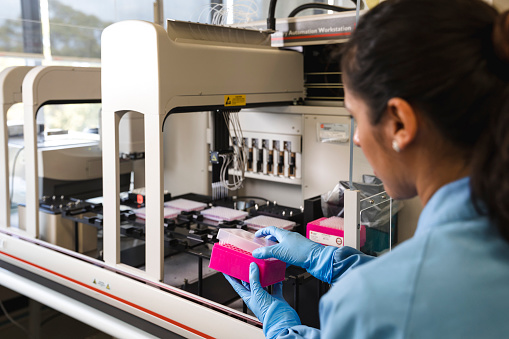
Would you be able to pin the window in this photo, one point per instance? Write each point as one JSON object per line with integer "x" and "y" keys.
{"x": 11, "y": 27}
{"x": 76, "y": 26}
{"x": 69, "y": 31}
{"x": 71, "y": 117}
{"x": 196, "y": 10}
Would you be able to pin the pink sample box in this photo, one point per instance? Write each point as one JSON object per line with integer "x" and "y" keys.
{"x": 233, "y": 255}
{"x": 330, "y": 232}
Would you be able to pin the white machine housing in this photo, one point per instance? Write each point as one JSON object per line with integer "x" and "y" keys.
{"x": 86, "y": 275}
{"x": 40, "y": 86}
{"x": 190, "y": 68}
{"x": 11, "y": 80}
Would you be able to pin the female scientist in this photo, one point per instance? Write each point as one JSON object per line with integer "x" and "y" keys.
{"x": 428, "y": 83}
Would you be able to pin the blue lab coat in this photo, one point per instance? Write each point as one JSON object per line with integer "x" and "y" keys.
{"x": 451, "y": 280}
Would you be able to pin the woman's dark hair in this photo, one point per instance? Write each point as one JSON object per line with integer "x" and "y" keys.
{"x": 450, "y": 60}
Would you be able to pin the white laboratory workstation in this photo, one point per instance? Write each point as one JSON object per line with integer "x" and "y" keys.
{"x": 201, "y": 128}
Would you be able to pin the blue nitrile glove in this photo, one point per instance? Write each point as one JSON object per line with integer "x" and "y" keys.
{"x": 297, "y": 250}
{"x": 272, "y": 310}
{"x": 327, "y": 263}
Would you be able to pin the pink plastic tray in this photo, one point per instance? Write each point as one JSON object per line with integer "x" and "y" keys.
{"x": 233, "y": 261}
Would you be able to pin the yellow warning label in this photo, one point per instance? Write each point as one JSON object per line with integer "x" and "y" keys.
{"x": 235, "y": 100}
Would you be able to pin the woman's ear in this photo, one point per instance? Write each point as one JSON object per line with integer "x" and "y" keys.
{"x": 402, "y": 122}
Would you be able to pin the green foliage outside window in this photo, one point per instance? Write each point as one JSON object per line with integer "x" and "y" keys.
{"x": 74, "y": 33}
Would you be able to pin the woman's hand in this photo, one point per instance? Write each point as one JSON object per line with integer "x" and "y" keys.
{"x": 292, "y": 247}
{"x": 297, "y": 250}
{"x": 272, "y": 310}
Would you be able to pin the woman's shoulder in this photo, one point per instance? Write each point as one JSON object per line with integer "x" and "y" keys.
{"x": 423, "y": 281}
{"x": 373, "y": 300}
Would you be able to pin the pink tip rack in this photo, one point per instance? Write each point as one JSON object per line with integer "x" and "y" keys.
{"x": 219, "y": 213}
{"x": 233, "y": 255}
{"x": 169, "y": 213}
{"x": 262, "y": 221}
{"x": 185, "y": 205}
{"x": 330, "y": 232}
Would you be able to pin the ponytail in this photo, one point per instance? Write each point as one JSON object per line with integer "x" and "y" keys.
{"x": 490, "y": 161}
{"x": 449, "y": 60}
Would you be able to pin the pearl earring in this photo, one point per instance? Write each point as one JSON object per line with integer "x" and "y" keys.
{"x": 395, "y": 146}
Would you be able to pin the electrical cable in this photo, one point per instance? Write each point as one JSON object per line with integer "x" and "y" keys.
{"x": 238, "y": 158}
{"x": 13, "y": 173}
{"x": 14, "y": 322}
{"x": 271, "y": 20}
{"x": 218, "y": 13}
{"x": 318, "y": 6}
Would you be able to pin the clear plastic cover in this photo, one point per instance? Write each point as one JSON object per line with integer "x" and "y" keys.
{"x": 378, "y": 214}
{"x": 242, "y": 239}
